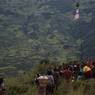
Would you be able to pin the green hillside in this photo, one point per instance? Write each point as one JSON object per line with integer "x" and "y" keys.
{"x": 32, "y": 30}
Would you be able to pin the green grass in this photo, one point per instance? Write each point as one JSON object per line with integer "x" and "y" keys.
{"x": 79, "y": 87}
{"x": 8, "y": 68}
{"x": 23, "y": 85}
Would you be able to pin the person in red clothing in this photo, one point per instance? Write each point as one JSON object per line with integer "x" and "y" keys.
{"x": 87, "y": 71}
{"x": 67, "y": 74}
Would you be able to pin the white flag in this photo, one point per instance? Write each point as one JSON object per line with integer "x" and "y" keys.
{"x": 77, "y": 15}
{"x": 77, "y": 11}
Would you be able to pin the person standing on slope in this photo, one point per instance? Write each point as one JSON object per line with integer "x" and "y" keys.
{"x": 50, "y": 86}
{"x": 42, "y": 82}
{"x": 87, "y": 71}
{"x": 2, "y": 87}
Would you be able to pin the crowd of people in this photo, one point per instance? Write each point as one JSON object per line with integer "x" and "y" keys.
{"x": 69, "y": 72}
{"x": 49, "y": 80}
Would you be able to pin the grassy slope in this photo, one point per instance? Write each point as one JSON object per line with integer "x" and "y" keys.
{"x": 24, "y": 85}
{"x": 77, "y": 88}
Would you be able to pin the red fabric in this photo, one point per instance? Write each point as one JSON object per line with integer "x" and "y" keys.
{"x": 2, "y": 93}
{"x": 88, "y": 74}
{"x": 67, "y": 74}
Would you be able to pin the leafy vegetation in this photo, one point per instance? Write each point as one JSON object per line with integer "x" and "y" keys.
{"x": 32, "y": 30}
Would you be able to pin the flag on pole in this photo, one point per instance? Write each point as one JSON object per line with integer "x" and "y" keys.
{"x": 77, "y": 15}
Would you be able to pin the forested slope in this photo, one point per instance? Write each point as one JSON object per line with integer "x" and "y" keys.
{"x": 31, "y": 30}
